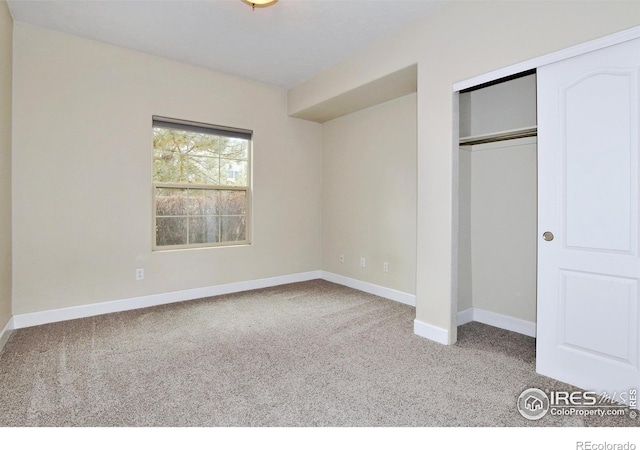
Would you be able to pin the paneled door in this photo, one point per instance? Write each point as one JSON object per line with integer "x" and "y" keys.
{"x": 588, "y": 255}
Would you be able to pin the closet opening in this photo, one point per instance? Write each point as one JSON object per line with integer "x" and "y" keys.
{"x": 497, "y": 204}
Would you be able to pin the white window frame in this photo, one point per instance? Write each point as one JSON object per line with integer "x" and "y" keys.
{"x": 165, "y": 122}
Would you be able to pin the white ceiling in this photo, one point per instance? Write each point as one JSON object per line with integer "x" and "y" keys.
{"x": 282, "y": 45}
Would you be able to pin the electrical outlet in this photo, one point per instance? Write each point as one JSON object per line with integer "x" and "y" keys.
{"x": 385, "y": 266}
{"x": 363, "y": 262}
{"x": 341, "y": 258}
{"x": 139, "y": 274}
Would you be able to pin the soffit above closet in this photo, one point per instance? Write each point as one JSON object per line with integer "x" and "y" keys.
{"x": 395, "y": 85}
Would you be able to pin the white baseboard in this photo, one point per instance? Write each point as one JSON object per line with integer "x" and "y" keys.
{"x": 431, "y": 332}
{"x": 465, "y": 316}
{"x": 95, "y": 309}
{"x": 381, "y": 291}
{"x": 5, "y": 333}
{"x": 420, "y": 328}
{"x": 497, "y": 320}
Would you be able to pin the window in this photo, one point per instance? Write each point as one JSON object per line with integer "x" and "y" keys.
{"x": 201, "y": 184}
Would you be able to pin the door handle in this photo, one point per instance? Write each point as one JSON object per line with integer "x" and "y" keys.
{"x": 547, "y": 236}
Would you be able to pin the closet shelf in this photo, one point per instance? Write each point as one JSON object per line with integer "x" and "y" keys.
{"x": 500, "y": 136}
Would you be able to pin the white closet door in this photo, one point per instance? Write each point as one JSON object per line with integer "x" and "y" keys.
{"x": 588, "y": 315}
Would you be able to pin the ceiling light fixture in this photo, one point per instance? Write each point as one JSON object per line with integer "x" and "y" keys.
{"x": 259, "y": 3}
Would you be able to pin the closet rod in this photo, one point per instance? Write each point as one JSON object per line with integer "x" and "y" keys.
{"x": 500, "y": 136}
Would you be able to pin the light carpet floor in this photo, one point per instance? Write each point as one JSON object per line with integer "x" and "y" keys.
{"x": 305, "y": 354}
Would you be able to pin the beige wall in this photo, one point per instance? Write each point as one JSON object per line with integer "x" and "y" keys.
{"x": 82, "y": 192}
{"x": 369, "y": 194}
{"x": 462, "y": 40}
{"x": 6, "y": 30}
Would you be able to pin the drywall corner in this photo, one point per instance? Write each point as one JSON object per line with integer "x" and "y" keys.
{"x": 6, "y": 76}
